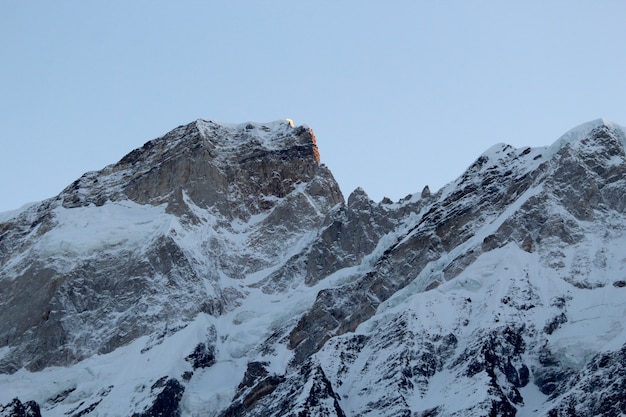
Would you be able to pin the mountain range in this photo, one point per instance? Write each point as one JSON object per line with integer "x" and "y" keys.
{"x": 219, "y": 271}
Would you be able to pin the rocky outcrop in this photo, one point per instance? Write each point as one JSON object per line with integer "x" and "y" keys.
{"x": 167, "y": 394}
{"x": 307, "y": 393}
{"x": 17, "y": 409}
{"x": 597, "y": 390}
{"x": 235, "y": 169}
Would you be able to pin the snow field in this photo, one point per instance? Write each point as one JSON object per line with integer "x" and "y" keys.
{"x": 80, "y": 230}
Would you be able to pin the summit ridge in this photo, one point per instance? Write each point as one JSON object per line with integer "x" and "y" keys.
{"x": 583, "y": 130}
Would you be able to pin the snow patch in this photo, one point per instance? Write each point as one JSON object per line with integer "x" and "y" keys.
{"x": 580, "y": 132}
{"x": 80, "y": 230}
{"x": 272, "y": 135}
{"x": 11, "y": 214}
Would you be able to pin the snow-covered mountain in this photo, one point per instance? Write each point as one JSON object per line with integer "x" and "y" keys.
{"x": 218, "y": 271}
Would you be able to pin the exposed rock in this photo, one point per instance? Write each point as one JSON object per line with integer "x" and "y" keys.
{"x": 168, "y": 393}
{"x": 597, "y": 390}
{"x": 203, "y": 356}
{"x": 551, "y": 374}
{"x": 256, "y": 384}
{"x": 306, "y": 393}
{"x": 499, "y": 356}
{"x": 555, "y": 323}
{"x": 18, "y": 409}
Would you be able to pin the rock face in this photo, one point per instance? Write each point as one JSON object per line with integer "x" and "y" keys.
{"x": 261, "y": 185}
{"x": 218, "y": 271}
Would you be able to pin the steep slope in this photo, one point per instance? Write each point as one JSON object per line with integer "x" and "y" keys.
{"x": 218, "y": 271}
{"x": 146, "y": 244}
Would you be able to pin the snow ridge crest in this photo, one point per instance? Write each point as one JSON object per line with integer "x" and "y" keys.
{"x": 582, "y": 131}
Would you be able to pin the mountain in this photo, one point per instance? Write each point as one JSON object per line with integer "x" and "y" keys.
{"x": 219, "y": 271}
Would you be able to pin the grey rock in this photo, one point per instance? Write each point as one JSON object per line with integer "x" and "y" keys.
{"x": 167, "y": 394}
{"x": 18, "y": 409}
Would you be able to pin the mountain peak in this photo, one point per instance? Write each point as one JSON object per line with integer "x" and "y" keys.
{"x": 209, "y": 161}
{"x": 231, "y": 138}
{"x": 273, "y": 126}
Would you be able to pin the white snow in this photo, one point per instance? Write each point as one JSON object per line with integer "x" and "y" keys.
{"x": 272, "y": 135}
{"x": 126, "y": 224}
{"x": 579, "y": 132}
{"x": 11, "y": 214}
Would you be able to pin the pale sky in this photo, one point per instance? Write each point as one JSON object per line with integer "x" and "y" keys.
{"x": 400, "y": 94}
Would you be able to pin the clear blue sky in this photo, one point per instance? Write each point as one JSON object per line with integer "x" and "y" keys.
{"x": 400, "y": 94}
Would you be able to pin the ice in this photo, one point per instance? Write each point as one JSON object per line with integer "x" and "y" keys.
{"x": 579, "y": 132}
{"x": 4, "y": 350}
{"x": 8, "y": 215}
{"x": 212, "y": 388}
{"x": 270, "y": 135}
{"x": 534, "y": 401}
{"x": 80, "y": 232}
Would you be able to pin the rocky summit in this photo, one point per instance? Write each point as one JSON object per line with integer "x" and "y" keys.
{"x": 219, "y": 271}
